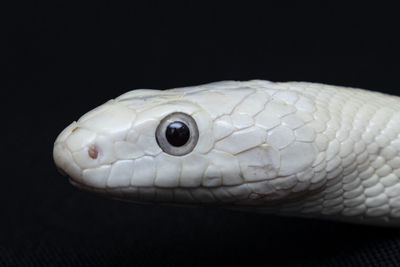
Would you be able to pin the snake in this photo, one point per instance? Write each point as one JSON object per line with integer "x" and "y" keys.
{"x": 296, "y": 149}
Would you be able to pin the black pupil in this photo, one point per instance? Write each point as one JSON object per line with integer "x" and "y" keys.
{"x": 177, "y": 133}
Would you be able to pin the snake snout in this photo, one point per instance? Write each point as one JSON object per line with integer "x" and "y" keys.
{"x": 72, "y": 149}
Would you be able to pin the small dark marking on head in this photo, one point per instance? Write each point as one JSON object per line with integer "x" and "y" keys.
{"x": 93, "y": 152}
{"x": 76, "y": 128}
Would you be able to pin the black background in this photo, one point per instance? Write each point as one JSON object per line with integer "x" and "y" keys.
{"x": 62, "y": 60}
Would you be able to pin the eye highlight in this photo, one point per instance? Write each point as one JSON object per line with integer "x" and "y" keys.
{"x": 177, "y": 134}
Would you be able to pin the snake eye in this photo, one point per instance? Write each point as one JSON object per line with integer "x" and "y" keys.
{"x": 177, "y": 134}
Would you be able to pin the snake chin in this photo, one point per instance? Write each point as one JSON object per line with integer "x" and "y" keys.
{"x": 82, "y": 186}
{"x": 62, "y": 172}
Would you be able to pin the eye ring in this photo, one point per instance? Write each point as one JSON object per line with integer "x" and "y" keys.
{"x": 177, "y": 134}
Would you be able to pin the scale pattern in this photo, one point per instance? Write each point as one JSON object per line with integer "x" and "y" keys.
{"x": 358, "y": 143}
{"x": 296, "y": 148}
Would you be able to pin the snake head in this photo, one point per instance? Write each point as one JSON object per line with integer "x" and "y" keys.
{"x": 225, "y": 142}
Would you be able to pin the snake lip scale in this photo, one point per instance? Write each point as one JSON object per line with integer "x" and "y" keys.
{"x": 290, "y": 148}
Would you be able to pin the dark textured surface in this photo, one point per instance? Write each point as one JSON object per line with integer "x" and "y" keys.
{"x": 64, "y": 60}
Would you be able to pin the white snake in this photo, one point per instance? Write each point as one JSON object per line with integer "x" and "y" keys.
{"x": 295, "y": 148}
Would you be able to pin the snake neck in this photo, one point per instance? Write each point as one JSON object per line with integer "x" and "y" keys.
{"x": 355, "y": 172}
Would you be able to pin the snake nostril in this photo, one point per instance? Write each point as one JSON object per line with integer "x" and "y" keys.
{"x": 93, "y": 152}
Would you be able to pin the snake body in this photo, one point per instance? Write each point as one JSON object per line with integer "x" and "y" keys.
{"x": 293, "y": 148}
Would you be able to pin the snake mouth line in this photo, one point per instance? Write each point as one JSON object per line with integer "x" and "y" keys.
{"x": 84, "y": 186}
{"x": 117, "y": 193}
{"x": 62, "y": 172}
